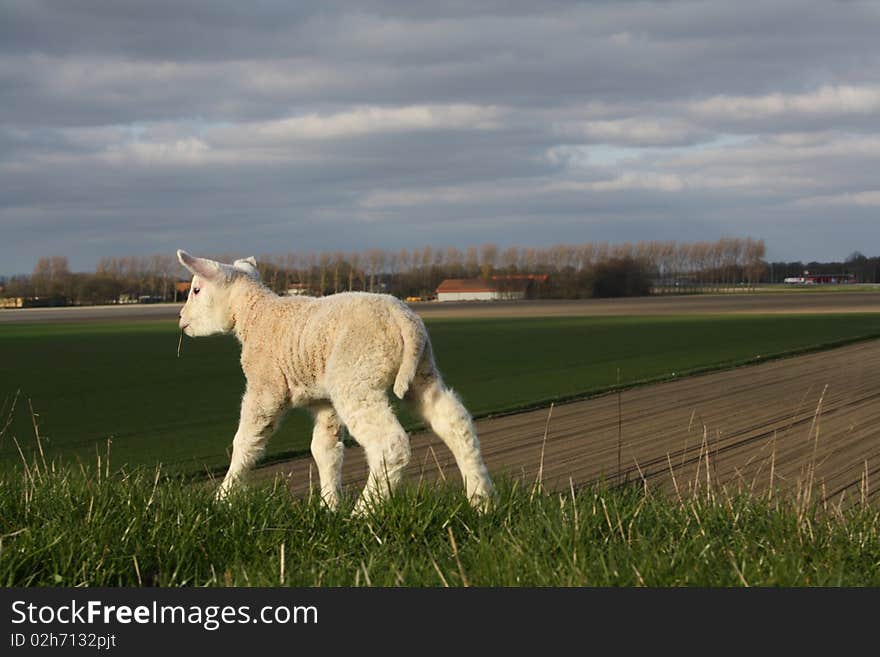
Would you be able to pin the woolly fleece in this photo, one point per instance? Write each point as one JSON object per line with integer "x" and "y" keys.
{"x": 337, "y": 355}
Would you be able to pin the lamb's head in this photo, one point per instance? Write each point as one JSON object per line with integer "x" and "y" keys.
{"x": 208, "y": 310}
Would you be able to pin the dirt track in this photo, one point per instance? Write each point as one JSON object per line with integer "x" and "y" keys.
{"x": 752, "y": 421}
{"x": 708, "y": 304}
{"x": 791, "y": 302}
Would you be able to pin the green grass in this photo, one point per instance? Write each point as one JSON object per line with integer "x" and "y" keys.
{"x": 73, "y": 528}
{"x": 123, "y": 381}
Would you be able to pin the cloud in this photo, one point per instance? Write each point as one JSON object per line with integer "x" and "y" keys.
{"x": 250, "y": 143}
{"x": 869, "y": 199}
{"x": 361, "y": 121}
{"x": 126, "y": 128}
{"x": 639, "y": 131}
{"x": 825, "y": 102}
{"x": 187, "y": 152}
{"x": 662, "y": 182}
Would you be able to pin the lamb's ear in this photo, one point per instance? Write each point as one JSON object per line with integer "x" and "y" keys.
{"x": 248, "y": 266}
{"x": 202, "y": 266}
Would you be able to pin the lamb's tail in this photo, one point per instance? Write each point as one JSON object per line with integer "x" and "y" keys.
{"x": 415, "y": 336}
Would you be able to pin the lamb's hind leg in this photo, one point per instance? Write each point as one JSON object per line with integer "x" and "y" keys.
{"x": 449, "y": 419}
{"x": 327, "y": 450}
{"x": 261, "y": 413}
{"x": 372, "y": 424}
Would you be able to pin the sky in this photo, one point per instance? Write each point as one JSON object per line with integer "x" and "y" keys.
{"x": 133, "y": 128}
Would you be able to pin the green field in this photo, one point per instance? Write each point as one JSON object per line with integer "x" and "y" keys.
{"x": 123, "y": 381}
{"x": 75, "y": 528}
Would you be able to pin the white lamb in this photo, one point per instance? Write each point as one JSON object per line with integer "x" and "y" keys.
{"x": 338, "y": 356}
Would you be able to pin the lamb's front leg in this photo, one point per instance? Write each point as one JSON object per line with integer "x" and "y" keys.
{"x": 327, "y": 450}
{"x": 261, "y": 412}
{"x": 371, "y": 422}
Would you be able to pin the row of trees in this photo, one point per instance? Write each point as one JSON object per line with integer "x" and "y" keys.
{"x": 148, "y": 277}
{"x": 573, "y": 270}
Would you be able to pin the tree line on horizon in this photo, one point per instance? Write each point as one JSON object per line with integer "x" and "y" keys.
{"x": 573, "y": 271}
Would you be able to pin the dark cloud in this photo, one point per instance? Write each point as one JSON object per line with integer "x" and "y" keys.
{"x": 268, "y": 126}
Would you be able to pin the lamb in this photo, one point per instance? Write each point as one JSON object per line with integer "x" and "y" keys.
{"x": 338, "y": 356}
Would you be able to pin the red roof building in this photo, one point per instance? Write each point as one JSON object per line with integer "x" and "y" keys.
{"x": 481, "y": 289}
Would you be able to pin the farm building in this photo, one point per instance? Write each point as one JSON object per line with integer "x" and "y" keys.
{"x": 821, "y": 279}
{"x": 830, "y": 279}
{"x": 495, "y": 289}
{"x": 474, "y": 289}
{"x": 181, "y": 289}
{"x": 33, "y": 302}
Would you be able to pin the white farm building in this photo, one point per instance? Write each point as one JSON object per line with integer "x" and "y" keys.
{"x": 476, "y": 289}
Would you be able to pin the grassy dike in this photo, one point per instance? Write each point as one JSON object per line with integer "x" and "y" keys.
{"x": 90, "y": 527}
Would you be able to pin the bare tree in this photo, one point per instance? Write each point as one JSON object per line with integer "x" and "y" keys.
{"x": 162, "y": 267}
{"x": 425, "y": 270}
{"x": 472, "y": 262}
{"x": 311, "y": 269}
{"x": 510, "y": 260}
{"x": 323, "y": 266}
{"x": 488, "y": 259}
{"x": 454, "y": 261}
{"x": 41, "y": 278}
{"x": 291, "y": 273}
{"x": 531, "y": 260}
{"x": 753, "y": 254}
{"x": 405, "y": 261}
{"x": 376, "y": 260}
{"x": 392, "y": 266}
{"x": 338, "y": 261}
{"x": 354, "y": 260}
{"x": 622, "y": 251}
{"x": 587, "y": 255}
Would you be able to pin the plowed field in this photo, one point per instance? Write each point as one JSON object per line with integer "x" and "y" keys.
{"x": 810, "y": 418}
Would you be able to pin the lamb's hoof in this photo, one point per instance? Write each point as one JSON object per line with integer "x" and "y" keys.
{"x": 222, "y": 494}
{"x": 482, "y": 504}
{"x": 330, "y": 502}
{"x": 362, "y": 509}
{"x": 483, "y": 499}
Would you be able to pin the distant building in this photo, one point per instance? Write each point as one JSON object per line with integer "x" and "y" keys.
{"x": 297, "y": 289}
{"x": 497, "y": 288}
{"x": 32, "y": 302}
{"x": 830, "y": 279}
{"x": 181, "y": 290}
{"x": 821, "y": 279}
{"x": 470, "y": 289}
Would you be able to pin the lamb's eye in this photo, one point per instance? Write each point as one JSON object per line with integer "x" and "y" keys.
{"x": 196, "y": 290}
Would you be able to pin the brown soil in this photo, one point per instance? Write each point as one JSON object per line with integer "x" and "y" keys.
{"x": 814, "y": 417}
